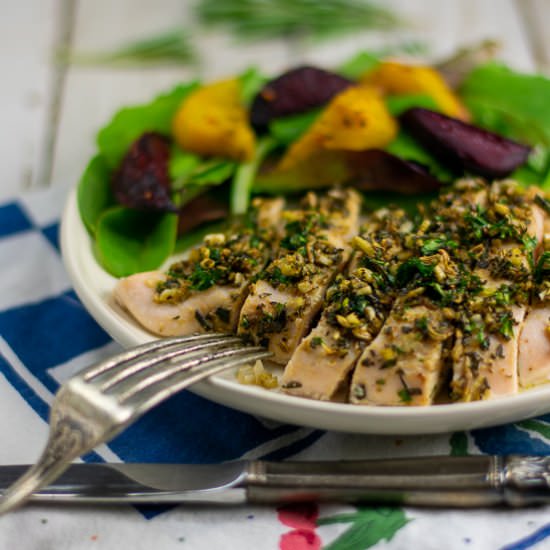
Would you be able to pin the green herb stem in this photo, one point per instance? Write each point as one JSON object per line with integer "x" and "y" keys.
{"x": 243, "y": 180}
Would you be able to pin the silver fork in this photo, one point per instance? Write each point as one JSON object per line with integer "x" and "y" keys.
{"x": 102, "y": 400}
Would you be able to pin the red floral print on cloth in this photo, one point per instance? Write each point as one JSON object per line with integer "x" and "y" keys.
{"x": 303, "y": 519}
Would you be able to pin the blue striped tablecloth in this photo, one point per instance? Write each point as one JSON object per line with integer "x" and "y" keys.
{"x": 46, "y": 334}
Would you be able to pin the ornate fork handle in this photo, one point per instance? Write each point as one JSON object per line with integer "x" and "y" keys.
{"x": 101, "y": 401}
{"x": 70, "y": 436}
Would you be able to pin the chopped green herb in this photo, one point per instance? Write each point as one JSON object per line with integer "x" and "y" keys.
{"x": 316, "y": 341}
{"x": 405, "y": 395}
{"x": 507, "y": 326}
{"x": 431, "y": 246}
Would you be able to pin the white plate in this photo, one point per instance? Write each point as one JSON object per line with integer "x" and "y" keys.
{"x": 94, "y": 287}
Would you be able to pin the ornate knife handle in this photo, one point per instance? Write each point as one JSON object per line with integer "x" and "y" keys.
{"x": 461, "y": 482}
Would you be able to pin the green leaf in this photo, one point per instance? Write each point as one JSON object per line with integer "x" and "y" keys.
{"x": 181, "y": 166}
{"x": 192, "y": 175}
{"x": 509, "y": 102}
{"x": 94, "y": 193}
{"x": 243, "y": 181}
{"x": 130, "y": 241}
{"x": 213, "y": 172}
{"x": 252, "y": 81}
{"x": 405, "y": 147}
{"x": 369, "y": 526}
{"x": 398, "y": 104}
{"x": 129, "y": 123}
{"x": 287, "y": 129}
{"x": 360, "y": 64}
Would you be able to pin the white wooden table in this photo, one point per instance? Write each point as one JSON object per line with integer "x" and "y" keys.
{"x": 50, "y": 115}
{"x": 48, "y": 121}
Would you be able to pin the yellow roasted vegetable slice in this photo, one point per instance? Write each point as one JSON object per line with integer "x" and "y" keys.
{"x": 397, "y": 78}
{"x": 212, "y": 122}
{"x": 355, "y": 120}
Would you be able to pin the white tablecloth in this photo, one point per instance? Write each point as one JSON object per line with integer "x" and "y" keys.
{"x": 46, "y": 334}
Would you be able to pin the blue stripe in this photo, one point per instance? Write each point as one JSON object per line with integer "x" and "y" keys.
{"x": 529, "y": 541}
{"x": 190, "y": 429}
{"x": 33, "y": 400}
{"x": 51, "y": 232}
{"x": 48, "y": 333}
{"x": 13, "y": 219}
{"x": 508, "y": 439}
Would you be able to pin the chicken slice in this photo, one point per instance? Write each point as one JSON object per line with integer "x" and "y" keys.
{"x": 405, "y": 364}
{"x": 213, "y": 309}
{"x": 534, "y": 348}
{"x": 206, "y": 291}
{"x": 355, "y": 308}
{"x": 534, "y": 340}
{"x": 288, "y": 294}
{"x": 487, "y": 344}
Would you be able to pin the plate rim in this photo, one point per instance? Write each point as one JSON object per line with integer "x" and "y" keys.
{"x": 78, "y": 258}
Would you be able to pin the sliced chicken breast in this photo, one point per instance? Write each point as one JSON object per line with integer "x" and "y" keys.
{"x": 534, "y": 340}
{"x": 406, "y": 363}
{"x": 487, "y": 346}
{"x": 288, "y": 295}
{"x": 206, "y": 291}
{"x": 354, "y": 310}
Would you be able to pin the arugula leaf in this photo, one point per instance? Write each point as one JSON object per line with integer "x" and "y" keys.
{"x": 252, "y": 80}
{"x": 405, "y": 147}
{"x": 94, "y": 192}
{"x": 287, "y": 129}
{"x": 360, "y": 64}
{"x": 517, "y": 102}
{"x": 213, "y": 172}
{"x": 181, "y": 165}
{"x": 398, "y": 104}
{"x": 514, "y": 105}
{"x": 129, "y": 123}
{"x": 129, "y": 241}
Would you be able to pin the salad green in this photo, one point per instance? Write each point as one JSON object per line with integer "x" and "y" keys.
{"x": 126, "y": 241}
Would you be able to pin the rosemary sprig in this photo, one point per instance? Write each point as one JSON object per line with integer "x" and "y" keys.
{"x": 170, "y": 47}
{"x": 247, "y": 20}
{"x": 265, "y": 19}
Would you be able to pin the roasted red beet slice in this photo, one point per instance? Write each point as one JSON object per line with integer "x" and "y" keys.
{"x": 369, "y": 170}
{"x": 379, "y": 170}
{"x": 202, "y": 209}
{"x": 295, "y": 91}
{"x": 463, "y": 145}
{"x": 142, "y": 181}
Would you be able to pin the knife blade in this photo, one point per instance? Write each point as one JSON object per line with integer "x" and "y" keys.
{"x": 470, "y": 481}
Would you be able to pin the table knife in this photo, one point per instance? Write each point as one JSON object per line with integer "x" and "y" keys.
{"x": 469, "y": 481}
